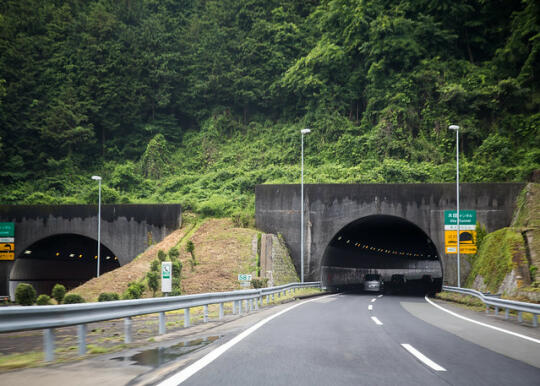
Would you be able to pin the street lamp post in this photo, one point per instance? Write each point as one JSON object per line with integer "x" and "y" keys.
{"x": 456, "y": 128}
{"x": 303, "y": 131}
{"x": 98, "y": 178}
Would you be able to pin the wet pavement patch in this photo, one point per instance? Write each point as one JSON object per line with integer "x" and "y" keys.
{"x": 161, "y": 355}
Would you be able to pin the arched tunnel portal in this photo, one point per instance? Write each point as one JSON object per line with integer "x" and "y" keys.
{"x": 393, "y": 247}
{"x": 68, "y": 259}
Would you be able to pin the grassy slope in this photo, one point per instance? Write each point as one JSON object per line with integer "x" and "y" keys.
{"x": 221, "y": 249}
{"x": 503, "y": 250}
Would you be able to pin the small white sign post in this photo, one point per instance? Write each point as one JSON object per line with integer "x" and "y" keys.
{"x": 166, "y": 277}
{"x": 244, "y": 279}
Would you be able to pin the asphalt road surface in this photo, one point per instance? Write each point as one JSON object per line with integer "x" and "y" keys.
{"x": 366, "y": 339}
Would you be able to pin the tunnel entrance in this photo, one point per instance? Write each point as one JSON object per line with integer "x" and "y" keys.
{"x": 68, "y": 259}
{"x": 395, "y": 249}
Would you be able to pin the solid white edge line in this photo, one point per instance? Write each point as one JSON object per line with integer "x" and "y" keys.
{"x": 372, "y": 300}
{"x": 380, "y": 296}
{"x": 422, "y": 358}
{"x": 370, "y": 307}
{"x": 187, "y": 372}
{"x": 377, "y": 321}
{"x": 483, "y": 324}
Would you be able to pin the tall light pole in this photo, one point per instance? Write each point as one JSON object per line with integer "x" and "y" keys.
{"x": 456, "y": 128}
{"x": 303, "y": 131}
{"x": 98, "y": 178}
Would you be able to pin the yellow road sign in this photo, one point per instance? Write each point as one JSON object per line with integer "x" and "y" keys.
{"x": 5, "y": 255}
{"x": 7, "y": 247}
{"x": 467, "y": 241}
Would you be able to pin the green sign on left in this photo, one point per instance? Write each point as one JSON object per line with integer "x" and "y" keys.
{"x": 7, "y": 229}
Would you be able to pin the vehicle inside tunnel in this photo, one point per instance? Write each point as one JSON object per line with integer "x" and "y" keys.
{"x": 68, "y": 259}
{"x": 390, "y": 247}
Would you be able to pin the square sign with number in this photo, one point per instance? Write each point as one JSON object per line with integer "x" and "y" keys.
{"x": 244, "y": 277}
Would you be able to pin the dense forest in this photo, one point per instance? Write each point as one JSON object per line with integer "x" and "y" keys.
{"x": 196, "y": 101}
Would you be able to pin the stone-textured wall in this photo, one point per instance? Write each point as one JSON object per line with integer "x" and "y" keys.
{"x": 328, "y": 208}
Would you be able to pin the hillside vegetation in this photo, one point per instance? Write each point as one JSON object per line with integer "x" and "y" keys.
{"x": 197, "y": 101}
{"x": 508, "y": 259}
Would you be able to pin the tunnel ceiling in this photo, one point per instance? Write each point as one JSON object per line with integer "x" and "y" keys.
{"x": 379, "y": 241}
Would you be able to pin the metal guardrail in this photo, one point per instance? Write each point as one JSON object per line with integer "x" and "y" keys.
{"x": 494, "y": 301}
{"x": 47, "y": 318}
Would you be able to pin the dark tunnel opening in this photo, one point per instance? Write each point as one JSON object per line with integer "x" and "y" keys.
{"x": 68, "y": 259}
{"x": 389, "y": 248}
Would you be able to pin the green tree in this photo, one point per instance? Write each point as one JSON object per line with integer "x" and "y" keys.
{"x": 152, "y": 279}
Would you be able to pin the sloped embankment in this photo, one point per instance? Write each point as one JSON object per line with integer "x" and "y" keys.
{"x": 508, "y": 259}
{"x": 222, "y": 251}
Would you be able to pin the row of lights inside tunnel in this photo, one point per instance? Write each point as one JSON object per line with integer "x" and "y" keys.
{"x": 80, "y": 255}
{"x": 387, "y": 251}
{"x": 307, "y": 131}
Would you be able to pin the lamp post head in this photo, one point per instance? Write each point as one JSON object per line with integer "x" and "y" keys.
{"x": 305, "y": 131}
{"x": 453, "y": 127}
{"x": 97, "y": 178}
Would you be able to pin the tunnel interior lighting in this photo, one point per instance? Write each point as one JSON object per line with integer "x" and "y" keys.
{"x": 80, "y": 256}
{"x": 57, "y": 253}
{"x": 71, "y": 255}
{"x": 107, "y": 258}
{"x": 27, "y": 252}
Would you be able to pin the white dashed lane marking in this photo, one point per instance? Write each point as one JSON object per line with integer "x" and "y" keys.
{"x": 377, "y": 321}
{"x": 422, "y": 358}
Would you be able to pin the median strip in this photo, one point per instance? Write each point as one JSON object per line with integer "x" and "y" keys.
{"x": 422, "y": 358}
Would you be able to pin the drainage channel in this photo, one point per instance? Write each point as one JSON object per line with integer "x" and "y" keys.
{"x": 161, "y": 355}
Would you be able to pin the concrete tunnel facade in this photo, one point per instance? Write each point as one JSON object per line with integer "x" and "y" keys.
{"x": 329, "y": 208}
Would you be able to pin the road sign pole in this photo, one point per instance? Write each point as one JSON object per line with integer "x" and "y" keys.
{"x": 457, "y": 195}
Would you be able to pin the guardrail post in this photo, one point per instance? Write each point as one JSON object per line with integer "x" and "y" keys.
{"x": 221, "y": 311}
{"x": 81, "y": 335}
{"x": 496, "y": 310}
{"x": 506, "y": 313}
{"x": 162, "y": 328}
{"x": 535, "y": 320}
{"x": 520, "y": 316}
{"x": 205, "y": 313}
{"x": 272, "y": 298}
{"x": 234, "y": 307}
{"x": 127, "y": 330}
{"x": 48, "y": 344}
{"x": 186, "y": 317}
{"x": 487, "y": 309}
{"x": 267, "y": 299}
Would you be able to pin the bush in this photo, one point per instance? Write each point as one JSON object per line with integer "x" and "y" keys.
{"x": 259, "y": 282}
{"x": 161, "y": 255}
{"x": 242, "y": 219}
{"x": 152, "y": 279}
{"x": 58, "y": 293}
{"x": 108, "y": 296}
{"x": 154, "y": 265}
{"x": 73, "y": 299}
{"x": 25, "y": 294}
{"x": 134, "y": 291}
{"x": 177, "y": 269}
{"x": 174, "y": 253}
{"x": 43, "y": 300}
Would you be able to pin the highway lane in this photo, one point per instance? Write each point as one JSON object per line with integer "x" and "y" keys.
{"x": 339, "y": 340}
